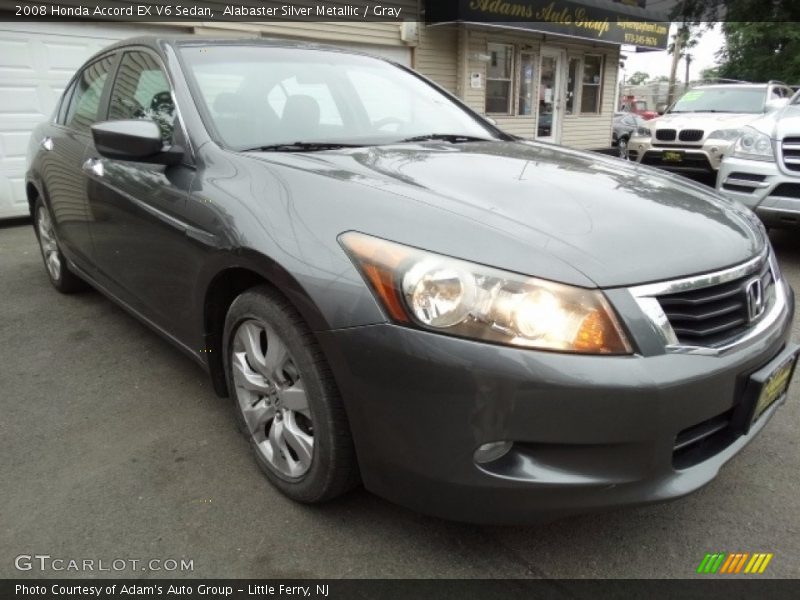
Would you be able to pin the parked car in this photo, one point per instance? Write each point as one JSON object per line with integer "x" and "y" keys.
{"x": 392, "y": 290}
{"x": 637, "y": 107}
{"x": 763, "y": 169}
{"x": 623, "y": 126}
{"x": 696, "y": 132}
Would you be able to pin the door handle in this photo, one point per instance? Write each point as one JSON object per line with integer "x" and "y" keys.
{"x": 47, "y": 143}
{"x": 94, "y": 166}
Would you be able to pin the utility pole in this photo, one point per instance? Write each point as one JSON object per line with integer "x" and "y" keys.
{"x": 688, "y": 59}
{"x": 677, "y": 46}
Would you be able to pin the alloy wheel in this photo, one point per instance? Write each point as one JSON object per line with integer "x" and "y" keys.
{"x": 47, "y": 241}
{"x": 273, "y": 399}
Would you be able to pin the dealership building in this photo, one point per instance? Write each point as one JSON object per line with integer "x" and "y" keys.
{"x": 542, "y": 69}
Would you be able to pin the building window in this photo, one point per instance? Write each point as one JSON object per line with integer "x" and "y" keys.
{"x": 591, "y": 88}
{"x": 572, "y": 84}
{"x": 498, "y": 78}
{"x": 526, "y": 84}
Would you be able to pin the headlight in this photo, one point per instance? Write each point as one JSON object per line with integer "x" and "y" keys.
{"x": 754, "y": 145}
{"x": 727, "y": 135}
{"x": 438, "y": 293}
{"x": 643, "y": 131}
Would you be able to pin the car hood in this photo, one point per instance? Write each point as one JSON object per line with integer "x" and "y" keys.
{"x": 780, "y": 124}
{"x": 615, "y": 222}
{"x": 704, "y": 120}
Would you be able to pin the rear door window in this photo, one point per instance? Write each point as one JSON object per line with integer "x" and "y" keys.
{"x": 63, "y": 105}
{"x": 84, "y": 106}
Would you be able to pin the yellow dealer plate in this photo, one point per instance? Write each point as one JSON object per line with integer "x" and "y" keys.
{"x": 775, "y": 386}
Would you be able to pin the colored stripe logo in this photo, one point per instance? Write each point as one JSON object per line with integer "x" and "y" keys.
{"x": 735, "y": 563}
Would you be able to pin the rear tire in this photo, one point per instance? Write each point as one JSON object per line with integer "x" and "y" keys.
{"x": 285, "y": 399}
{"x": 58, "y": 271}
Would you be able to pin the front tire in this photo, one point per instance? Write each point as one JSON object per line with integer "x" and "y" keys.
{"x": 285, "y": 399}
{"x": 64, "y": 280}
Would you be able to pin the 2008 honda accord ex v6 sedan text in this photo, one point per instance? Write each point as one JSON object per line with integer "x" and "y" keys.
{"x": 392, "y": 290}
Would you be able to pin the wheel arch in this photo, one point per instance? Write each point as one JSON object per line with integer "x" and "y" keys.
{"x": 226, "y": 284}
{"x": 34, "y": 191}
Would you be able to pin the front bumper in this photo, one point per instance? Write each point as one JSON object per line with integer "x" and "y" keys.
{"x": 696, "y": 159}
{"x": 589, "y": 432}
{"x": 762, "y": 186}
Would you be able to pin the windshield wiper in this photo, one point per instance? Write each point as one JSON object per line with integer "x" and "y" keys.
{"x": 301, "y": 147}
{"x": 453, "y": 138}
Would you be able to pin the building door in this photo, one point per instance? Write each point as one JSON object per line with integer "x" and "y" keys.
{"x": 550, "y": 107}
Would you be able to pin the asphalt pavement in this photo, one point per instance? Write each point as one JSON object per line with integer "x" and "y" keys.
{"x": 114, "y": 447}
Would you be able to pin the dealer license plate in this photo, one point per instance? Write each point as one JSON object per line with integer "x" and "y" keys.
{"x": 672, "y": 156}
{"x": 775, "y": 384}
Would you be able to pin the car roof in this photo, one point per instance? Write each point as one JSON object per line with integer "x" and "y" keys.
{"x": 156, "y": 42}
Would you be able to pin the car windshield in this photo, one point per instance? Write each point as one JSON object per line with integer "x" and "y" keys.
{"x": 722, "y": 99}
{"x": 306, "y": 99}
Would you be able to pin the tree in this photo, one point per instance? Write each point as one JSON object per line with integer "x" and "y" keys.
{"x": 758, "y": 51}
{"x": 683, "y": 41}
{"x": 762, "y": 38}
{"x": 710, "y": 74}
{"x": 638, "y": 78}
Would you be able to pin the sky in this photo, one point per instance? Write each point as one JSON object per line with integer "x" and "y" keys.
{"x": 659, "y": 63}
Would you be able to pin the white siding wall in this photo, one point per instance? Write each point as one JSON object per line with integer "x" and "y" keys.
{"x": 437, "y": 55}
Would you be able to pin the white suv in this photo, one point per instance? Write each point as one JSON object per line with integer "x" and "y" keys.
{"x": 694, "y": 134}
{"x": 762, "y": 170}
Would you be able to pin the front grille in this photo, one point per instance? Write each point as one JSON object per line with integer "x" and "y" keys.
{"x": 691, "y": 135}
{"x": 714, "y": 315}
{"x": 665, "y": 135}
{"x": 791, "y": 153}
{"x": 787, "y": 190}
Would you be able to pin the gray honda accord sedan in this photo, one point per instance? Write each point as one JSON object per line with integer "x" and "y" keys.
{"x": 393, "y": 291}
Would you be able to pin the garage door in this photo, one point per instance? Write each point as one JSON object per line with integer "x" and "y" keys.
{"x": 36, "y": 62}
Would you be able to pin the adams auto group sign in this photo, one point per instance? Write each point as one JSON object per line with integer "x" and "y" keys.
{"x": 609, "y": 21}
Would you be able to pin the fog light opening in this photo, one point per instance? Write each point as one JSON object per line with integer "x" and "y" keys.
{"x": 487, "y": 453}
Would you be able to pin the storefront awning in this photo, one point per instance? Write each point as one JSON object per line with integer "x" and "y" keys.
{"x": 629, "y": 22}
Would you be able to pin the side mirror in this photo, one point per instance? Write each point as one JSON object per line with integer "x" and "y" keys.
{"x": 134, "y": 140}
{"x": 661, "y": 109}
{"x": 491, "y": 120}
